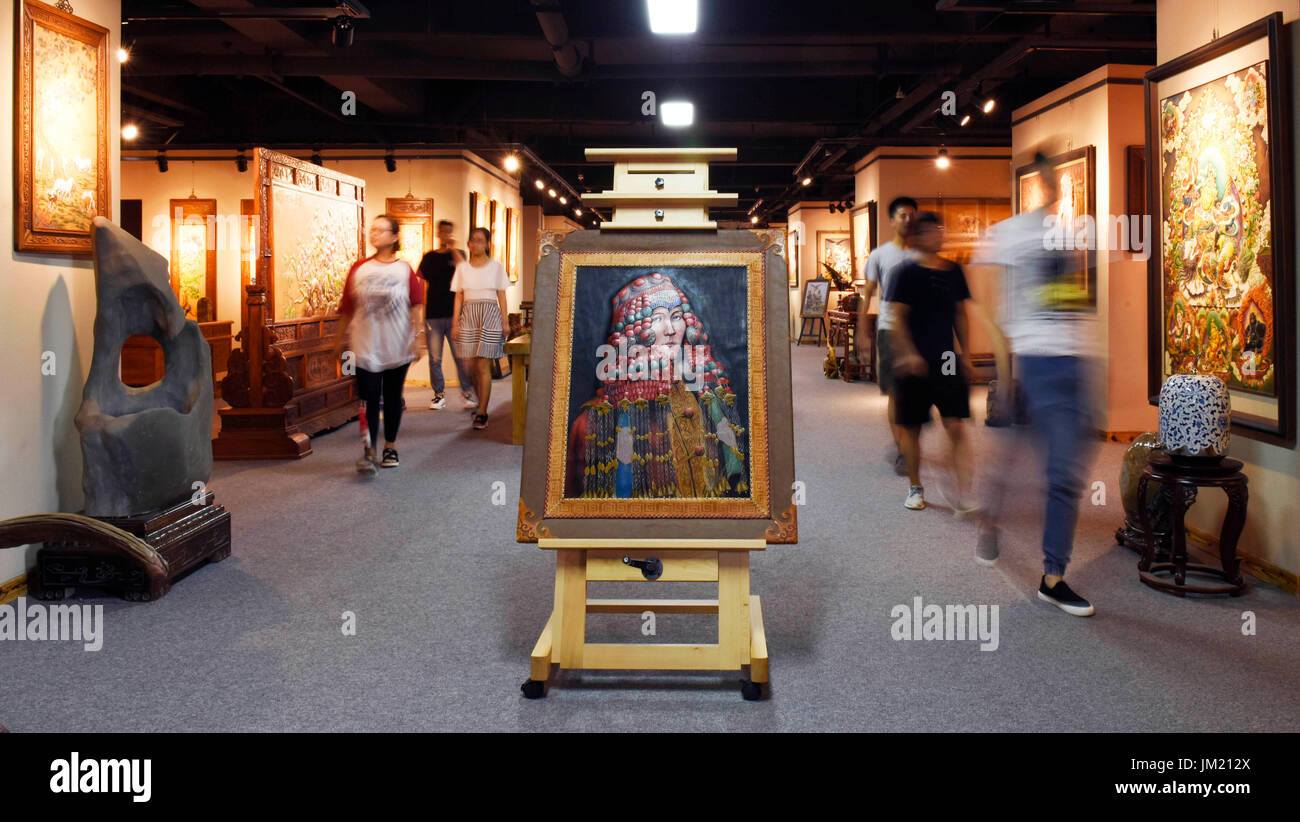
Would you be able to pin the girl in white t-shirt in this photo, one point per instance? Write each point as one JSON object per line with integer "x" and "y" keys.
{"x": 381, "y": 309}
{"x": 478, "y": 323}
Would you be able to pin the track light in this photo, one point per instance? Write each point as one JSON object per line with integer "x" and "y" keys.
{"x": 942, "y": 160}
{"x": 341, "y": 34}
{"x": 540, "y": 185}
{"x": 754, "y": 220}
{"x": 241, "y": 161}
{"x": 130, "y": 132}
{"x": 123, "y": 54}
{"x": 677, "y": 113}
{"x": 898, "y": 95}
{"x": 577, "y": 212}
{"x": 989, "y": 104}
{"x": 512, "y": 163}
{"x": 965, "y": 119}
{"x": 161, "y": 160}
{"x": 806, "y": 181}
{"x": 551, "y": 192}
{"x": 564, "y": 200}
{"x": 390, "y": 162}
{"x": 316, "y": 158}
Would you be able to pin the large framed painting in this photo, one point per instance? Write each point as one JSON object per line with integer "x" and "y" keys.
{"x": 61, "y": 177}
{"x": 835, "y": 254}
{"x": 860, "y": 231}
{"x": 414, "y": 216}
{"x": 513, "y": 256}
{"x": 816, "y": 297}
{"x": 1221, "y": 279}
{"x": 310, "y": 233}
{"x": 1076, "y": 176}
{"x": 659, "y": 394}
{"x": 965, "y": 221}
{"x": 194, "y": 256}
{"x": 247, "y": 251}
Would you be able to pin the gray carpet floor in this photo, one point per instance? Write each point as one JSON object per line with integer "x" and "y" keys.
{"x": 448, "y": 606}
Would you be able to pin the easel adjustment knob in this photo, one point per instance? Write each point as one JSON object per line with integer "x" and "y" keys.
{"x": 651, "y": 567}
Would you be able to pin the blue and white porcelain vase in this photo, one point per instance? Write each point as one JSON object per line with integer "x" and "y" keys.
{"x": 1194, "y": 416}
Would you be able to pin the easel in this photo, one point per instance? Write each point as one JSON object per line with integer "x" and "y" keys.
{"x": 741, "y": 640}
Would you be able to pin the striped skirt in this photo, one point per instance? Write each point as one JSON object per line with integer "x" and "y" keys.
{"x": 480, "y": 330}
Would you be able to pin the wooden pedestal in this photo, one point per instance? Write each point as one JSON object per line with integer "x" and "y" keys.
{"x": 741, "y": 640}
{"x": 177, "y": 539}
{"x": 258, "y": 434}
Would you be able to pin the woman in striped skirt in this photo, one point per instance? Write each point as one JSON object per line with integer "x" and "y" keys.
{"x": 478, "y": 324}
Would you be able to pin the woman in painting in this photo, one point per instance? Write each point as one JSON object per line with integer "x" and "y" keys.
{"x": 664, "y": 422}
{"x": 478, "y": 325}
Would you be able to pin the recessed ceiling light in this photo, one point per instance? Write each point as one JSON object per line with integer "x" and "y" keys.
{"x": 673, "y": 16}
{"x": 677, "y": 113}
{"x": 942, "y": 160}
{"x": 130, "y": 132}
{"x": 512, "y": 163}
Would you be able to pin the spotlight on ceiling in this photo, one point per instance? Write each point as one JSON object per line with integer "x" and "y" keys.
{"x": 551, "y": 192}
{"x": 677, "y": 113}
{"x": 540, "y": 185}
{"x": 161, "y": 160}
{"x": 241, "y": 161}
{"x": 130, "y": 132}
{"x": 512, "y": 163}
{"x": 577, "y": 212}
{"x": 806, "y": 181}
{"x": 564, "y": 200}
{"x": 123, "y": 54}
{"x": 989, "y": 104}
{"x": 390, "y": 162}
{"x": 942, "y": 160}
{"x": 754, "y": 220}
{"x": 965, "y": 119}
{"x": 341, "y": 33}
{"x": 673, "y": 16}
{"x": 898, "y": 95}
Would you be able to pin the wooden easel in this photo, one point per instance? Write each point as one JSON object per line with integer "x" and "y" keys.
{"x": 741, "y": 640}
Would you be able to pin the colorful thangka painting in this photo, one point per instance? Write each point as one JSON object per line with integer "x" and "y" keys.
{"x": 64, "y": 175}
{"x": 1217, "y": 241}
{"x": 192, "y": 263}
{"x": 315, "y": 246}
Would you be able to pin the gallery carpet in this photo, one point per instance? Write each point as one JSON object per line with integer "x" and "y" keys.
{"x": 447, "y": 606}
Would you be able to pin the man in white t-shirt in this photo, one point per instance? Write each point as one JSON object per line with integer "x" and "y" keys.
{"x": 878, "y": 273}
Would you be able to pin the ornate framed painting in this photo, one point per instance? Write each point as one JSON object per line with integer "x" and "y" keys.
{"x": 860, "y": 231}
{"x": 414, "y": 217}
{"x": 310, "y": 232}
{"x": 1076, "y": 176}
{"x": 513, "y": 257}
{"x": 816, "y": 297}
{"x": 61, "y": 177}
{"x": 835, "y": 250}
{"x": 194, "y": 257}
{"x": 1221, "y": 288}
{"x": 659, "y": 394}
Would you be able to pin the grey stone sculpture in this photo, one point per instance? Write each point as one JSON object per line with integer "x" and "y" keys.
{"x": 144, "y": 448}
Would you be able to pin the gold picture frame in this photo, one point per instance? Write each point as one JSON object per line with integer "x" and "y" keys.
{"x": 414, "y": 216}
{"x": 61, "y": 175}
{"x": 194, "y": 255}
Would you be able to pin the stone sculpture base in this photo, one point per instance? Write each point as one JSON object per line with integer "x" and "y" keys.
{"x": 184, "y": 536}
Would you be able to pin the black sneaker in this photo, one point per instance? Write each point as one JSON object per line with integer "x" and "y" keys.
{"x": 1062, "y": 597}
{"x": 480, "y": 422}
{"x": 390, "y": 458}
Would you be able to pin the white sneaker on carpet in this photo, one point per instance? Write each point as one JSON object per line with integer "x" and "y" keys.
{"x": 438, "y": 403}
{"x": 915, "y": 498}
{"x": 469, "y": 402}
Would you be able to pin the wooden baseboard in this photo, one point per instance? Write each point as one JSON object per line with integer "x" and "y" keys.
{"x": 1208, "y": 545}
{"x": 14, "y": 588}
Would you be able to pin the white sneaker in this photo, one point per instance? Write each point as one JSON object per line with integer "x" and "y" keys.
{"x": 469, "y": 403}
{"x": 915, "y": 498}
{"x": 438, "y": 403}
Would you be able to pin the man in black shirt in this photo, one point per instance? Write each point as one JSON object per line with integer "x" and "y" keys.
{"x": 437, "y": 268}
{"x": 930, "y": 295}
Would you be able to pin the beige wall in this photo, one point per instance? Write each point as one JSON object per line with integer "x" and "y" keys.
{"x": 47, "y": 303}
{"x": 1109, "y": 117}
{"x": 807, "y": 219}
{"x": 1273, "y": 517}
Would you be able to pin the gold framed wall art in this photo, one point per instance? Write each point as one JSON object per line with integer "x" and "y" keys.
{"x": 414, "y": 217}
{"x": 61, "y": 175}
{"x": 194, "y": 256}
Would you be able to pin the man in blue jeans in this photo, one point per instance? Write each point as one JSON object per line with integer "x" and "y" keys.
{"x": 1048, "y": 323}
{"x": 437, "y": 268}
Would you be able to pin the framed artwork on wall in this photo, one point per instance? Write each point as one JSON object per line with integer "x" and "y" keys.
{"x": 414, "y": 217}
{"x": 310, "y": 232}
{"x": 684, "y": 339}
{"x": 1135, "y": 180}
{"x": 512, "y": 244}
{"x": 194, "y": 256}
{"x": 816, "y": 297}
{"x": 793, "y": 245}
{"x": 1221, "y": 287}
{"x": 247, "y": 250}
{"x": 965, "y": 220}
{"x": 835, "y": 252}
{"x": 860, "y": 230}
{"x": 61, "y": 177}
{"x": 1076, "y": 175}
{"x": 474, "y": 221}
{"x": 494, "y": 227}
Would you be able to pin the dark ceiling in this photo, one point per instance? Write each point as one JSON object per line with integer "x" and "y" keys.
{"x": 802, "y": 87}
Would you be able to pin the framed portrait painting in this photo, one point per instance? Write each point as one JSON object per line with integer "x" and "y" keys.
{"x": 1076, "y": 178}
{"x": 1221, "y": 278}
{"x": 61, "y": 178}
{"x": 659, "y": 395}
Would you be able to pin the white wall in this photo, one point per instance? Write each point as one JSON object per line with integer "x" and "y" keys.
{"x": 47, "y": 303}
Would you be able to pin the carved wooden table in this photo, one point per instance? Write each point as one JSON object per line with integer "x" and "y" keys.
{"x": 519, "y": 349}
{"x": 844, "y": 333}
{"x": 1183, "y": 477}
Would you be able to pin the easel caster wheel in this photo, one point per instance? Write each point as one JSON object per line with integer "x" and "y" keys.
{"x": 533, "y": 689}
{"x": 751, "y": 691}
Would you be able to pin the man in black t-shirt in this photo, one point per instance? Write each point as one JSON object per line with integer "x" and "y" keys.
{"x": 930, "y": 295}
{"x": 437, "y": 268}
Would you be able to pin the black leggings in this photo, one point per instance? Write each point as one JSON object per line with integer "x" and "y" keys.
{"x": 369, "y": 386}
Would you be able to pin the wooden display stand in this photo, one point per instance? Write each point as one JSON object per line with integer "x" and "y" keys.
{"x": 741, "y": 640}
